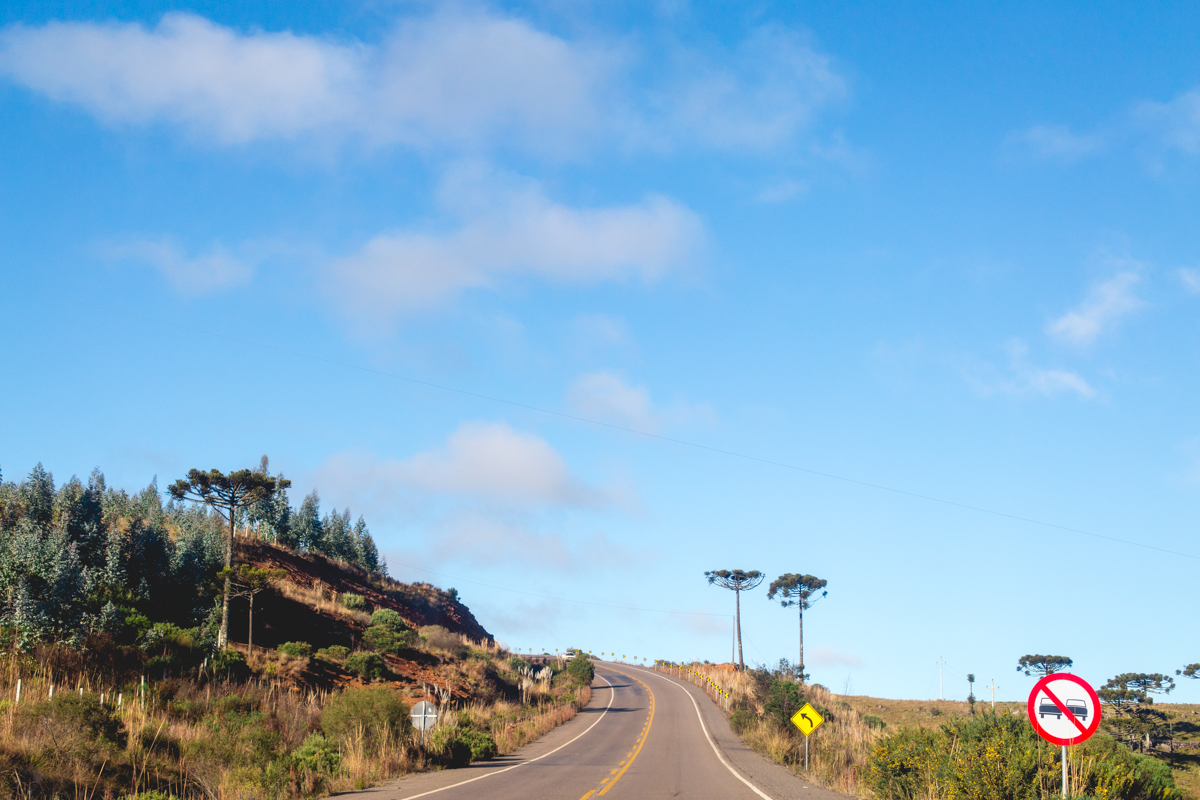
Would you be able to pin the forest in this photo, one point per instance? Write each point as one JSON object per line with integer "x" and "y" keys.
{"x": 81, "y": 559}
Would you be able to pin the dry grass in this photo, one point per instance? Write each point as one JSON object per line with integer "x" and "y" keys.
{"x": 323, "y": 600}
{"x": 838, "y": 751}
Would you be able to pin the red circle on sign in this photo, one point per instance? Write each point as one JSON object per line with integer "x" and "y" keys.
{"x": 1061, "y": 677}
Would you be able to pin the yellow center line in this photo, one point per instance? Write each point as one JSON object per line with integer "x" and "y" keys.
{"x": 589, "y": 794}
{"x": 641, "y": 740}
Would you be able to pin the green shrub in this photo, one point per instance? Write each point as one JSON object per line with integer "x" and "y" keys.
{"x": 874, "y": 722}
{"x": 77, "y": 723}
{"x": 991, "y": 756}
{"x": 516, "y": 663}
{"x": 230, "y": 661}
{"x": 389, "y": 619}
{"x": 783, "y": 699}
{"x": 385, "y": 639}
{"x": 296, "y": 649}
{"x": 318, "y": 755}
{"x": 740, "y": 719}
{"x": 335, "y": 652}
{"x": 458, "y": 746}
{"x": 378, "y": 712}
{"x": 368, "y": 665}
{"x": 581, "y": 669}
{"x": 354, "y": 601}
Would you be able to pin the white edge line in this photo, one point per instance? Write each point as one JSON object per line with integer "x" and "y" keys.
{"x": 611, "y": 695}
{"x": 711, "y": 743}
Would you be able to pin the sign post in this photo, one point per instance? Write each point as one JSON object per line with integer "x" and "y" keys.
{"x": 424, "y": 716}
{"x": 1065, "y": 711}
{"x": 807, "y": 720}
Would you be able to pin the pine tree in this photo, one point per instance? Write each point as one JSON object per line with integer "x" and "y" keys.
{"x": 306, "y": 528}
{"x": 368, "y": 554}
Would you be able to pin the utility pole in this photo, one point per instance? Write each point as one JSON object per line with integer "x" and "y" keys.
{"x": 941, "y": 664}
{"x": 993, "y": 694}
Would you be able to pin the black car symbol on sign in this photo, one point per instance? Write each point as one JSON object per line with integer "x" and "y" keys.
{"x": 1047, "y": 707}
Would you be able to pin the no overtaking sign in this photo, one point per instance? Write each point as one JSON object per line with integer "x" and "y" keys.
{"x": 1064, "y": 709}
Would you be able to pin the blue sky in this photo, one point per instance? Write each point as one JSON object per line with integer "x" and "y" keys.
{"x": 950, "y": 251}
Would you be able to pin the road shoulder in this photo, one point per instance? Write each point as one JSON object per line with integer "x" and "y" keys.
{"x": 775, "y": 780}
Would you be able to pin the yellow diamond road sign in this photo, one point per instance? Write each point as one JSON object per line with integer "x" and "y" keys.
{"x": 807, "y": 719}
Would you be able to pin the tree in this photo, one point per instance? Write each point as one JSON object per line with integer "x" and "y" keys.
{"x": 971, "y": 695}
{"x": 1190, "y": 671}
{"x": 228, "y": 495}
{"x": 1130, "y": 695}
{"x": 739, "y": 581}
{"x": 1043, "y": 665}
{"x": 797, "y": 590}
{"x": 248, "y": 581}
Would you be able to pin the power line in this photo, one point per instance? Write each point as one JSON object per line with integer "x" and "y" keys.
{"x": 559, "y": 599}
{"x": 599, "y": 423}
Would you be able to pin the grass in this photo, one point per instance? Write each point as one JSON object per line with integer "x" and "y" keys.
{"x": 86, "y": 734}
{"x": 841, "y": 749}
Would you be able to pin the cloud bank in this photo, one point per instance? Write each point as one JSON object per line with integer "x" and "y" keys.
{"x": 455, "y": 78}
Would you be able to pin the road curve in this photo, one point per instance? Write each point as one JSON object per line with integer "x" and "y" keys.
{"x": 644, "y": 735}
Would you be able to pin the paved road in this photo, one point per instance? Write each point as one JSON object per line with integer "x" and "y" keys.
{"x": 644, "y": 735}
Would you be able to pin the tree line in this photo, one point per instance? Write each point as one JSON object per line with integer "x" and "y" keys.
{"x": 85, "y": 558}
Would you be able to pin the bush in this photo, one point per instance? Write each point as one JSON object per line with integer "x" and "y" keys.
{"x": 230, "y": 661}
{"x": 581, "y": 669}
{"x": 384, "y": 639}
{"x": 516, "y": 663}
{"x": 439, "y": 638}
{"x": 296, "y": 649}
{"x": 318, "y": 755}
{"x": 77, "y": 722}
{"x": 459, "y": 746}
{"x": 874, "y": 722}
{"x": 335, "y": 652}
{"x": 740, "y": 719}
{"x": 1001, "y": 757}
{"x": 368, "y": 665}
{"x": 389, "y": 619}
{"x": 782, "y": 700}
{"x": 353, "y": 601}
{"x": 378, "y": 712}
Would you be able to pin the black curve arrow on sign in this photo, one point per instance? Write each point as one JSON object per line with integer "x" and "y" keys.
{"x": 805, "y": 716}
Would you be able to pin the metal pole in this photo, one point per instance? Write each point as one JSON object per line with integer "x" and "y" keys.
{"x": 806, "y": 754}
{"x": 941, "y": 664}
{"x": 1064, "y": 760}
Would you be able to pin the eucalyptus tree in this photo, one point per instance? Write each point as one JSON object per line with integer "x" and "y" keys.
{"x": 228, "y": 495}
{"x": 738, "y": 581}
{"x": 797, "y": 591}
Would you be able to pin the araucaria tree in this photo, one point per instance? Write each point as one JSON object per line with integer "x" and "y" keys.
{"x": 1190, "y": 671}
{"x": 798, "y": 591}
{"x": 739, "y": 581}
{"x": 229, "y": 495}
{"x": 1129, "y": 694}
{"x": 249, "y": 582}
{"x": 1043, "y": 665}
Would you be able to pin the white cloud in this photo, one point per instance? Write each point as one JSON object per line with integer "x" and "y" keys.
{"x": 481, "y": 461}
{"x": 189, "y": 275}
{"x": 484, "y": 539}
{"x": 1190, "y": 279}
{"x": 592, "y": 330}
{"x": 1021, "y": 379}
{"x": 765, "y": 92}
{"x": 508, "y": 233}
{"x": 823, "y": 656}
{"x": 1105, "y": 304}
{"x": 607, "y": 396}
{"x": 1175, "y": 124}
{"x": 1057, "y": 142}
{"x": 456, "y": 78}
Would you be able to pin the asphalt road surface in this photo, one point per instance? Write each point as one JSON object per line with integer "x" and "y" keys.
{"x": 644, "y": 735}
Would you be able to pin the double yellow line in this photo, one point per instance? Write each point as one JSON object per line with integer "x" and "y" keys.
{"x": 632, "y": 755}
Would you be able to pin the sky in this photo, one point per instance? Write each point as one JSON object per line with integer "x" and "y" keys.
{"x": 576, "y": 301}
